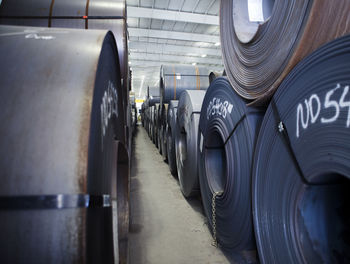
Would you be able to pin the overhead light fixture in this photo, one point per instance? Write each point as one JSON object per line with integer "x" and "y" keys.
{"x": 204, "y": 55}
{"x": 129, "y": 62}
{"x": 217, "y": 44}
{"x": 194, "y": 64}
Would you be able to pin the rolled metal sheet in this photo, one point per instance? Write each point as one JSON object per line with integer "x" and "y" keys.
{"x": 84, "y": 14}
{"x": 129, "y": 127}
{"x": 171, "y": 133}
{"x": 228, "y": 129}
{"x": 186, "y": 140}
{"x": 159, "y": 140}
{"x": 159, "y": 130}
{"x": 146, "y": 113}
{"x": 302, "y": 163}
{"x": 25, "y": 13}
{"x": 163, "y": 130}
{"x": 143, "y": 108}
{"x": 174, "y": 79}
{"x": 155, "y": 124}
{"x": 151, "y": 123}
{"x": 60, "y": 114}
{"x": 263, "y": 40}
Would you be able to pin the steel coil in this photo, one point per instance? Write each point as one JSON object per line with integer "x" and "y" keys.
{"x": 60, "y": 114}
{"x": 151, "y": 123}
{"x": 142, "y": 114}
{"x": 302, "y": 163}
{"x": 155, "y": 124}
{"x": 186, "y": 139}
{"x": 175, "y": 79}
{"x": 263, "y": 40}
{"x": 227, "y": 133}
{"x": 171, "y": 133}
{"x": 159, "y": 130}
{"x": 163, "y": 130}
{"x": 84, "y": 14}
{"x": 152, "y": 99}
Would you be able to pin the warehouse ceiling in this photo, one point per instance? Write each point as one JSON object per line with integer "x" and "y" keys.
{"x": 171, "y": 32}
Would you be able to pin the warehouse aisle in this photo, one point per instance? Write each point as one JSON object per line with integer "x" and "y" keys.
{"x": 165, "y": 228}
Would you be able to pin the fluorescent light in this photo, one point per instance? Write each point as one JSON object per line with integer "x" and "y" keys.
{"x": 217, "y": 44}
{"x": 129, "y": 62}
{"x": 204, "y": 55}
{"x": 194, "y": 64}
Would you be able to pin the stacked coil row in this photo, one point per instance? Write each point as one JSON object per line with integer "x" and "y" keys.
{"x": 80, "y": 14}
{"x": 267, "y": 146}
{"x": 66, "y": 132}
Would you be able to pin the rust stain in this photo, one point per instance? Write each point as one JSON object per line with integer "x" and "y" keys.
{"x": 50, "y": 13}
{"x": 85, "y": 122}
{"x": 198, "y": 82}
{"x": 326, "y": 21}
{"x": 84, "y": 133}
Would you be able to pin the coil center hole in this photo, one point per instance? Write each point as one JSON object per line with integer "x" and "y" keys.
{"x": 248, "y": 15}
{"x": 324, "y": 223}
{"x": 215, "y": 162}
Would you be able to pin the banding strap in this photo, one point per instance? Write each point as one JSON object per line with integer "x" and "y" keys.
{"x": 58, "y": 201}
{"x": 234, "y": 129}
{"x": 198, "y": 81}
{"x": 87, "y": 14}
{"x": 282, "y": 129}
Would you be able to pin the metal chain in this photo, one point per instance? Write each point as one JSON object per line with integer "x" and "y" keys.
{"x": 213, "y": 217}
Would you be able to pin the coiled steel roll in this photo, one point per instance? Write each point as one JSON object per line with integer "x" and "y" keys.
{"x": 163, "y": 130}
{"x": 155, "y": 125}
{"x": 263, "y": 40}
{"x": 62, "y": 172}
{"x": 227, "y": 133}
{"x": 175, "y": 79}
{"x": 302, "y": 163}
{"x": 84, "y": 14}
{"x": 186, "y": 140}
{"x": 159, "y": 130}
{"x": 143, "y": 114}
{"x": 151, "y": 125}
{"x": 171, "y": 133}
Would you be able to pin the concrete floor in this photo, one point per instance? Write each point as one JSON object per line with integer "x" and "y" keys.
{"x": 165, "y": 227}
